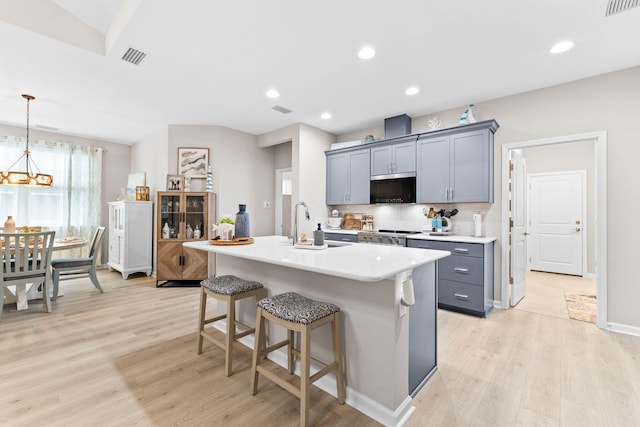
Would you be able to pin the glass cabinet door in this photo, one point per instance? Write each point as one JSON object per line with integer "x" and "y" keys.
{"x": 170, "y": 216}
{"x": 118, "y": 217}
{"x": 195, "y": 217}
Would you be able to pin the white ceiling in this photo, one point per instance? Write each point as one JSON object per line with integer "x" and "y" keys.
{"x": 211, "y": 62}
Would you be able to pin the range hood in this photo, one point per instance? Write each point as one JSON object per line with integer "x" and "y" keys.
{"x": 397, "y": 126}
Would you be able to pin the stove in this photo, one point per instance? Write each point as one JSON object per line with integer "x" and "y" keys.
{"x": 385, "y": 237}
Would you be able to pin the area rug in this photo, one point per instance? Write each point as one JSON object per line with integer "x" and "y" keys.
{"x": 581, "y": 306}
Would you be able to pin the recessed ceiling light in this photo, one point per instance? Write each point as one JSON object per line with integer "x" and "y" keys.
{"x": 366, "y": 53}
{"x": 412, "y": 91}
{"x": 562, "y": 46}
{"x": 326, "y": 116}
{"x": 272, "y": 93}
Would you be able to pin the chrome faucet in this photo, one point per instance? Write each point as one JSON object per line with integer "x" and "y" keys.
{"x": 295, "y": 220}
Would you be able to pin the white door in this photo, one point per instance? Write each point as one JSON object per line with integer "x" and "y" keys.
{"x": 518, "y": 227}
{"x": 557, "y": 221}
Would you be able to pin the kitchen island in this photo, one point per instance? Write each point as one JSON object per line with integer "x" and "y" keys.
{"x": 389, "y": 345}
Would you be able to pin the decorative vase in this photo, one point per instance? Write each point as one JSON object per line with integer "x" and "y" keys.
{"x": 242, "y": 222}
{"x": 209, "y": 180}
{"x": 9, "y": 225}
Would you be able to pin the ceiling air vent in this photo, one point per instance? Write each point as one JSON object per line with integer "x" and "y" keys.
{"x": 134, "y": 56}
{"x": 281, "y": 109}
{"x": 616, "y": 6}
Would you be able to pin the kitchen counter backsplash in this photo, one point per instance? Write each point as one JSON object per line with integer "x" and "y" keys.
{"x": 411, "y": 217}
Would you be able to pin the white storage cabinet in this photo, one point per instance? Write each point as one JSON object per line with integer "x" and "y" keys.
{"x": 131, "y": 237}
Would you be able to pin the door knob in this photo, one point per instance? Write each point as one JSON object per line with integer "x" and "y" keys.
{"x": 577, "y": 228}
{"x": 578, "y": 222}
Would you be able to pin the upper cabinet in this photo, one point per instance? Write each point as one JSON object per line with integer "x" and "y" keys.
{"x": 456, "y": 165}
{"x": 398, "y": 157}
{"x": 348, "y": 177}
{"x": 453, "y": 165}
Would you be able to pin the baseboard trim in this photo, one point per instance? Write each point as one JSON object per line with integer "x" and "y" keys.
{"x": 355, "y": 399}
{"x": 623, "y": 329}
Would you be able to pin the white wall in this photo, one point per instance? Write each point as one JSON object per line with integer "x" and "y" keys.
{"x": 150, "y": 156}
{"x": 312, "y": 176}
{"x": 242, "y": 171}
{"x": 608, "y": 102}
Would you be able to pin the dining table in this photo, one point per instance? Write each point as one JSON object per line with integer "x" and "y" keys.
{"x": 23, "y": 293}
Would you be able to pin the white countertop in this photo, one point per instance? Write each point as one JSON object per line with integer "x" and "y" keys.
{"x": 452, "y": 238}
{"x": 426, "y": 236}
{"x": 365, "y": 263}
{"x": 341, "y": 231}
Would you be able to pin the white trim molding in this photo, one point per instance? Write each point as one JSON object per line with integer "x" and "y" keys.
{"x": 600, "y": 155}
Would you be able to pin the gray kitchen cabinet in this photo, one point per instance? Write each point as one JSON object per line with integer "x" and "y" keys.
{"x": 465, "y": 278}
{"x": 348, "y": 177}
{"x": 341, "y": 237}
{"x": 456, "y": 165}
{"x": 396, "y": 157}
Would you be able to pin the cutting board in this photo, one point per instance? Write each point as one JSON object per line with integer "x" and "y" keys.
{"x": 236, "y": 241}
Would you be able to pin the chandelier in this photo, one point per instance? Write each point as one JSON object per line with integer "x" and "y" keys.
{"x": 31, "y": 175}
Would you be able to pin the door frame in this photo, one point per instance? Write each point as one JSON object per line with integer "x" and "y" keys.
{"x": 278, "y": 200}
{"x": 583, "y": 207}
{"x": 600, "y": 160}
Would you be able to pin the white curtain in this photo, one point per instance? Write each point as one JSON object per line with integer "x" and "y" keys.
{"x": 72, "y": 207}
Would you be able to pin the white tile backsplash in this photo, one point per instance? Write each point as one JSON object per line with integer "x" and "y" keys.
{"x": 411, "y": 217}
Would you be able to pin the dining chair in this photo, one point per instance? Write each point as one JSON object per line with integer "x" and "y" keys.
{"x": 78, "y": 266}
{"x": 26, "y": 258}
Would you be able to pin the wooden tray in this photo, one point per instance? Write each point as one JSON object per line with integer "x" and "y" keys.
{"x": 235, "y": 242}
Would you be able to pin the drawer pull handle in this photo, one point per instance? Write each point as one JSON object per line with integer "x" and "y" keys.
{"x": 461, "y": 296}
{"x": 461, "y": 270}
{"x": 461, "y": 250}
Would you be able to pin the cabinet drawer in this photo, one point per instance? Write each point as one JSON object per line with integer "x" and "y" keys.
{"x": 456, "y": 248}
{"x": 462, "y": 269}
{"x": 461, "y": 295}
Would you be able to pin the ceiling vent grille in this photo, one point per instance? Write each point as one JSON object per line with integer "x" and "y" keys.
{"x": 281, "y": 109}
{"x": 134, "y": 56}
{"x": 616, "y": 6}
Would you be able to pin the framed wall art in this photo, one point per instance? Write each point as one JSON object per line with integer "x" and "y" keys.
{"x": 192, "y": 162}
{"x": 175, "y": 183}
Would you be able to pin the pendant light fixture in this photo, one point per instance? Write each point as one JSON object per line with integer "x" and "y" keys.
{"x": 31, "y": 175}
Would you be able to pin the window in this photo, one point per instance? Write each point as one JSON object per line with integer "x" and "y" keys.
{"x": 72, "y": 207}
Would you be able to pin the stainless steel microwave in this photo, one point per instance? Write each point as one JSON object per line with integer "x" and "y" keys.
{"x": 398, "y": 188}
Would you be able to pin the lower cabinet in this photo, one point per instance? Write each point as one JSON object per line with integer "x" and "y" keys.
{"x": 465, "y": 278}
{"x": 175, "y": 262}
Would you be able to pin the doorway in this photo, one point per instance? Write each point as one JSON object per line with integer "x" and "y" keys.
{"x": 284, "y": 187}
{"x": 599, "y": 141}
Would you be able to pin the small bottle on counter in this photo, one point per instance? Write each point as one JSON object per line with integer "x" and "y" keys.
{"x": 318, "y": 237}
{"x": 439, "y": 224}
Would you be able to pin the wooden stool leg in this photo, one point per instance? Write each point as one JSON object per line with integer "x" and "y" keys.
{"x": 263, "y": 337}
{"x": 203, "y": 309}
{"x": 337, "y": 355}
{"x": 231, "y": 331}
{"x": 258, "y": 346}
{"x": 291, "y": 358}
{"x": 305, "y": 355}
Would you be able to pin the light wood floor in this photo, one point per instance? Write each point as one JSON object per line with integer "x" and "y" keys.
{"x": 128, "y": 357}
{"x": 545, "y": 292}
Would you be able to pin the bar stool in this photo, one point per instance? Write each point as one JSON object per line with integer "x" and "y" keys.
{"x": 298, "y": 314}
{"x": 228, "y": 289}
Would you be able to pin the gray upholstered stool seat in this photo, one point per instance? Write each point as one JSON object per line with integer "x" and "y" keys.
{"x": 297, "y": 314}
{"x": 229, "y": 285}
{"x": 293, "y": 307}
{"x": 228, "y": 289}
